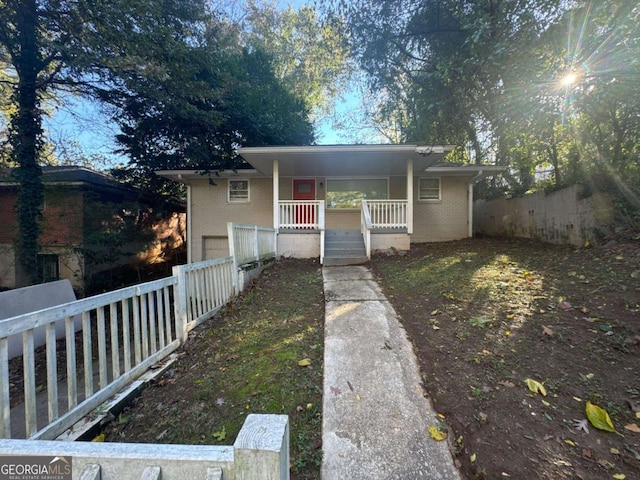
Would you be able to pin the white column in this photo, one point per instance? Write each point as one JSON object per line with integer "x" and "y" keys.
{"x": 276, "y": 193}
{"x": 471, "y": 209}
{"x": 410, "y": 196}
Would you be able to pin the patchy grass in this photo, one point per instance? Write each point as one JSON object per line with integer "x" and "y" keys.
{"x": 485, "y": 315}
{"x": 240, "y": 362}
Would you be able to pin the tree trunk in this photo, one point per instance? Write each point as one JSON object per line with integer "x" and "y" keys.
{"x": 26, "y": 138}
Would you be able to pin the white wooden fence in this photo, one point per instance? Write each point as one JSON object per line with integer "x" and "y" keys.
{"x": 123, "y": 333}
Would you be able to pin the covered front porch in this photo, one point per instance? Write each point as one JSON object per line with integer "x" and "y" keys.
{"x": 341, "y": 203}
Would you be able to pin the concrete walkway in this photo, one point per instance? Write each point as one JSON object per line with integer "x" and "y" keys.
{"x": 375, "y": 417}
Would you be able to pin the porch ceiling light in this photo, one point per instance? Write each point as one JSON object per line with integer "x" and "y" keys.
{"x": 429, "y": 149}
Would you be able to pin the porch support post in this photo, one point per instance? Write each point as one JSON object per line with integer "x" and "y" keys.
{"x": 276, "y": 195}
{"x": 410, "y": 196}
{"x": 470, "y": 209}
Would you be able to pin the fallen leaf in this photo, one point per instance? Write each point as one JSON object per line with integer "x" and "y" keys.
{"x": 637, "y": 414}
{"x": 632, "y": 427}
{"x": 614, "y": 451}
{"x": 536, "y": 387}
{"x": 570, "y": 442}
{"x": 472, "y": 458}
{"x": 99, "y": 438}
{"x": 564, "y": 305}
{"x": 220, "y": 435}
{"x": 545, "y": 403}
{"x": 309, "y": 406}
{"x": 357, "y": 397}
{"x": 619, "y": 476}
{"x": 581, "y": 425}
{"x": 599, "y": 417}
{"x": 437, "y": 433}
{"x": 547, "y": 331}
{"x": 305, "y": 362}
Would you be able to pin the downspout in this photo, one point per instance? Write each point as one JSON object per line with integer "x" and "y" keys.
{"x": 473, "y": 180}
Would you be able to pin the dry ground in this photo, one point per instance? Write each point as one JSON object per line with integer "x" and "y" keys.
{"x": 484, "y": 315}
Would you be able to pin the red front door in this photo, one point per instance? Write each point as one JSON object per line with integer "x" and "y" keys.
{"x": 305, "y": 215}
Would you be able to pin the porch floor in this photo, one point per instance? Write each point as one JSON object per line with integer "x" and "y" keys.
{"x": 375, "y": 416}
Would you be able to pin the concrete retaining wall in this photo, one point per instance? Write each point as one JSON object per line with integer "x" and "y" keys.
{"x": 561, "y": 217}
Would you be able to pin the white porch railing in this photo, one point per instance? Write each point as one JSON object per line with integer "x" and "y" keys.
{"x": 123, "y": 333}
{"x": 301, "y": 214}
{"x": 365, "y": 227}
{"x": 387, "y": 213}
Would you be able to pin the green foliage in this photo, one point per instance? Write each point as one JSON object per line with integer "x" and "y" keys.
{"x": 310, "y": 54}
{"x": 488, "y": 76}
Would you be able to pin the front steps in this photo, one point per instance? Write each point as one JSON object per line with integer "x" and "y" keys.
{"x": 344, "y": 247}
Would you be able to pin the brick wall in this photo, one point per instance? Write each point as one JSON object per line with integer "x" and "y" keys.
{"x": 211, "y": 211}
{"x": 443, "y": 220}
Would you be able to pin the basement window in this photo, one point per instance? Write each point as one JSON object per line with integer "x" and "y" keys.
{"x": 48, "y": 267}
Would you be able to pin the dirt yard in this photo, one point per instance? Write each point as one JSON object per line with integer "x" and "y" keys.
{"x": 486, "y": 315}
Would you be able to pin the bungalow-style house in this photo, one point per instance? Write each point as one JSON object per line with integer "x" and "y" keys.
{"x": 338, "y": 203}
{"x": 89, "y": 225}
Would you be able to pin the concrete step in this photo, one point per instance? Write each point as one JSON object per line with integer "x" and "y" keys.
{"x": 344, "y": 247}
{"x": 344, "y": 261}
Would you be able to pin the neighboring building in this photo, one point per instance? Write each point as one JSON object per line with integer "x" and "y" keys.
{"x": 337, "y": 203}
{"x": 91, "y": 223}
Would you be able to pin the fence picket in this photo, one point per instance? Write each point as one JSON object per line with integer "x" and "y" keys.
{"x": 102, "y": 348}
{"x": 29, "y": 373}
{"x": 52, "y": 371}
{"x": 5, "y": 413}
{"x": 88, "y": 357}
{"x": 126, "y": 335}
{"x": 72, "y": 371}
{"x": 115, "y": 343}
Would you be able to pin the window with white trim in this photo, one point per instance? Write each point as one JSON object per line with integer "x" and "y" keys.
{"x": 348, "y": 193}
{"x": 238, "y": 191}
{"x": 429, "y": 189}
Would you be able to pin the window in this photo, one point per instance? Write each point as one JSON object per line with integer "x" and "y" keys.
{"x": 349, "y": 193}
{"x": 429, "y": 189}
{"x": 48, "y": 267}
{"x": 239, "y": 191}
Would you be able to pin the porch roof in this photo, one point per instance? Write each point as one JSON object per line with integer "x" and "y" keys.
{"x": 343, "y": 160}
